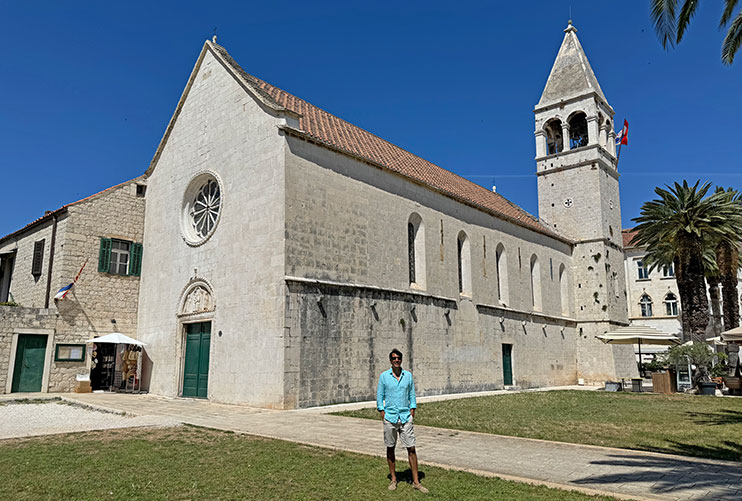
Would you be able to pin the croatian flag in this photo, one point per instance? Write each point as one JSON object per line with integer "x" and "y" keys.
{"x": 62, "y": 293}
{"x": 623, "y": 136}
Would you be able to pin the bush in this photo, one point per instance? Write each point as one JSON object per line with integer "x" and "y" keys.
{"x": 654, "y": 366}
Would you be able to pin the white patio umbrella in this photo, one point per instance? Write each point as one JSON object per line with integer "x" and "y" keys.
{"x": 732, "y": 335}
{"x": 638, "y": 334}
{"x": 716, "y": 341}
{"x": 116, "y": 338}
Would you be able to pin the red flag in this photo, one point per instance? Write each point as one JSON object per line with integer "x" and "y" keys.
{"x": 623, "y": 136}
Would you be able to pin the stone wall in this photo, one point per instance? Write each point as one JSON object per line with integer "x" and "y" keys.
{"x": 339, "y": 338}
{"x": 346, "y": 243}
{"x": 347, "y": 221}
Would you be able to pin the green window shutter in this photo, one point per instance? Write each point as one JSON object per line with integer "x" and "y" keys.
{"x": 135, "y": 267}
{"x": 104, "y": 256}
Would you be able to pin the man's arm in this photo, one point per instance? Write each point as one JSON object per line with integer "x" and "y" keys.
{"x": 413, "y": 399}
{"x": 380, "y": 397}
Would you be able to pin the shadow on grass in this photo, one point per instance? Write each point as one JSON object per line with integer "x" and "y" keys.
{"x": 724, "y": 416}
{"x": 406, "y": 476}
{"x": 662, "y": 476}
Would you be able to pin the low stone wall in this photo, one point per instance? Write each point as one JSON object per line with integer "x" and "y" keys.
{"x": 339, "y": 338}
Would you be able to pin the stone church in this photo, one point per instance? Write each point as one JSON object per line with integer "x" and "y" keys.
{"x": 287, "y": 251}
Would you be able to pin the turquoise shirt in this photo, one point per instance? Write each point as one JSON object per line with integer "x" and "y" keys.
{"x": 396, "y": 397}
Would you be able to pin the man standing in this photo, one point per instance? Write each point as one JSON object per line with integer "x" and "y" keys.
{"x": 395, "y": 400}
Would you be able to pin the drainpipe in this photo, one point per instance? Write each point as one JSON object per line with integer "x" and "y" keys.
{"x": 51, "y": 262}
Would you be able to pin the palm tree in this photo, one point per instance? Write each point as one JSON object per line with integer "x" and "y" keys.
{"x": 728, "y": 260}
{"x": 670, "y": 24}
{"x": 680, "y": 223}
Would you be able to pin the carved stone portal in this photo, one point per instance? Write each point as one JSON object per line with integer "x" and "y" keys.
{"x": 198, "y": 301}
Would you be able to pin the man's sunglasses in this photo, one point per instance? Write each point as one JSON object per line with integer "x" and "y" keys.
{"x": 396, "y": 358}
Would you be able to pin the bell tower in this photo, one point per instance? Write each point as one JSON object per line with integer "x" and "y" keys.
{"x": 578, "y": 197}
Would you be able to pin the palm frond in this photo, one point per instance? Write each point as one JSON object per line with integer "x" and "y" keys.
{"x": 662, "y": 13}
{"x": 687, "y": 11}
{"x": 732, "y": 41}
{"x": 729, "y": 6}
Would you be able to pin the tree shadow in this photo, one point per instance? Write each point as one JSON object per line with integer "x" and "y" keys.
{"x": 671, "y": 475}
{"x": 406, "y": 476}
{"x": 724, "y": 416}
{"x": 728, "y": 450}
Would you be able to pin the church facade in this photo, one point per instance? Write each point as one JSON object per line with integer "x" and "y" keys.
{"x": 286, "y": 251}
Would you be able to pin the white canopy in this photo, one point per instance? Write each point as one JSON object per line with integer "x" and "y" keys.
{"x": 115, "y": 338}
{"x": 716, "y": 341}
{"x": 732, "y": 335}
{"x": 638, "y": 334}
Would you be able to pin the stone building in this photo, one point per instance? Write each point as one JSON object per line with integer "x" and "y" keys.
{"x": 313, "y": 247}
{"x": 288, "y": 251}
{"x": 42, "y": 341}
{"x": 653, "y": 297}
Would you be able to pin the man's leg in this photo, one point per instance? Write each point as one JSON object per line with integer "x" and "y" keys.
{"x": 391, "y": 460}
{"x": 412, "y": 456}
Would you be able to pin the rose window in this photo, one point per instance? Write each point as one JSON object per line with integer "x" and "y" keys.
{"x": 202, "y": 204}
{"x": 205, "y": 209}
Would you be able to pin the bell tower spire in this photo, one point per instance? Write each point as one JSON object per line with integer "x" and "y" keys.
{"x": 578, "y": 197}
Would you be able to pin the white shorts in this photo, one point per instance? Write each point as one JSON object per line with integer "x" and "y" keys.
{"x": 406, "y": 432}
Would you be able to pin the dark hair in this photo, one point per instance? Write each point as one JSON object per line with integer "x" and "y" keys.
{"x": 395, "y": 351}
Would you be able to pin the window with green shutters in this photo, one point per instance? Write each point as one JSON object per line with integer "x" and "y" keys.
{"x": 120, "y": 257}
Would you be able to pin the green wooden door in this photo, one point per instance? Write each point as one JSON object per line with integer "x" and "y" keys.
{"x": 29, "y": 363}
{"x": 507, "y": 364}
{"x": 196, "y": 367}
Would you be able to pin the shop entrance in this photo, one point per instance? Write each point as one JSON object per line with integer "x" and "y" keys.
{"x": 104, "y": 364}
{"x": 196, "y": 366}
{"x": 28, "y": 371}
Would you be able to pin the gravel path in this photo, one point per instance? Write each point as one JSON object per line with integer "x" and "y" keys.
{"x": 26, "y": 420}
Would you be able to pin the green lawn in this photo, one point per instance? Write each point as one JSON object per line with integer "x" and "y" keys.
{"x": 197, "y": 463}
{"x": 690, "y": 425}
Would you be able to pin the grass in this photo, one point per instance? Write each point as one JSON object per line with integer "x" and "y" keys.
{"x": 689, "y": 425}
{"x": 196, "y": 463}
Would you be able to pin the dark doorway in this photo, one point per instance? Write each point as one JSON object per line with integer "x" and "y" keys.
{"x": 104, "y": 362}
{"x": 507, "y": 364}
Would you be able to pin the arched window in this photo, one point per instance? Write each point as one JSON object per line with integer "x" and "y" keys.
{"x": 464, "y": 251}
{"x": 502, "y": 274}
{"x": 416, "y": 250}
{"x": 535, "y": 283}
{"x": 564, "y": 290}
{"x": 577, "y": 130}
{"x": 553, "y": 129}
{"x": 671, "y": 305}
{"x": 645, "y": 303}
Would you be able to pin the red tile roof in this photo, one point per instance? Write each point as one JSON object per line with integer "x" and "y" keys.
{"x": 336, "y": 133}
{"x": 628, "y": 235}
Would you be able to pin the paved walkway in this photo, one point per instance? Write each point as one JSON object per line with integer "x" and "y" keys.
{"x": 622, "y": 473}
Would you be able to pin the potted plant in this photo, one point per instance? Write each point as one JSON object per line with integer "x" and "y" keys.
{"x": 701, "y": 358}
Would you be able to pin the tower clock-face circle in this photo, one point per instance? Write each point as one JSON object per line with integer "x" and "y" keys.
{"x": 568, "y": 202}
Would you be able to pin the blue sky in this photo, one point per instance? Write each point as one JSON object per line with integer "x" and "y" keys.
{"x": 88, "y": 88}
